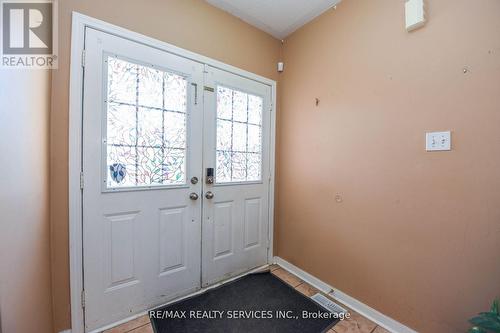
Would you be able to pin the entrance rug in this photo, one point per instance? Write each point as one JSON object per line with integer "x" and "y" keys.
{"x": 254, "y": 303}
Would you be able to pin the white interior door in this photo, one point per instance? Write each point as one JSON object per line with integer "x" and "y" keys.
{"x": 237, "y": 147}
{"x": 142, "y": 144}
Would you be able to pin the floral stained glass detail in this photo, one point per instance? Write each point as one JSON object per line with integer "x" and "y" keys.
{"x": 145, "y": 126}
{"x": 239, "y": 136}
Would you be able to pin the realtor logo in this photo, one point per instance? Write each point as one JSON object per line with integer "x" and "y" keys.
{"x": 29, "y": 36}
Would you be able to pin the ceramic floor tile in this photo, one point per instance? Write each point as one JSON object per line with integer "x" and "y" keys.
{"x": 287, "y": 277}
{"x": 143, "y": 329}
{"x": 306, "y": 289}
{"x": 273, "y": 267}
{"x": 130, "y": 325}
{"x": 355, "y": 324}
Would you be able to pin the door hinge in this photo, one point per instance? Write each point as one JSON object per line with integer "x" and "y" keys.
{"x": 81, "y": 180}
{"x": 83, "y": 299}
{"x": 83, "y": 58}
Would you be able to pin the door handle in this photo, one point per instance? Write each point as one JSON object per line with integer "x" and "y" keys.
{"x": 193, "y": 196}
{"x": 209, "y": 195}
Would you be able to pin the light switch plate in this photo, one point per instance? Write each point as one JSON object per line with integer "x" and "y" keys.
{"x": 415, "y": 14}
{"x": 437, "y": 141}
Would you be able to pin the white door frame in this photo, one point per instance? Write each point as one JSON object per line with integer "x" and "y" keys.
{"x": 79, "y": 23}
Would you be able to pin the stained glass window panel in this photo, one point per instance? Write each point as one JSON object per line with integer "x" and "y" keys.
{"x": 121, "y": 124}
{"x": 253, "y": 166}
{"x": 175, "y": 92}
{"x": 223, "y": 174}
{"x": 224, "y": 103}
{"x": 254, "y": 139}
{"x": 239, "y": 136}
{"x": 150, "y": 132}
{"x": 174, "y": 166}
{"x": 145, "y": 127}
{"x": 175, "y": 130}
{"x": 240, "y": 106}
{"x": 122, "y": 81}
{"x": 121, "y": 157}
{"x": 149, "y": 165}
{"x": 239, "y": 167}
{"x": 224, "y": 135}
{"x": 254, "y": 109}
{"x": 150, "y": 87}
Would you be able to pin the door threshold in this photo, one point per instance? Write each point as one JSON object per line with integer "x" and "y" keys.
{"x": 198, "y": 292}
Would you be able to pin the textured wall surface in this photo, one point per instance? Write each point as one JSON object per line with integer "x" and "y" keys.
{"x": 416, "y": 235}
{"x": 24, "y": 205}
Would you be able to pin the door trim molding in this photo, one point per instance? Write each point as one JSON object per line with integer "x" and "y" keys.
{"x": 79, "y": 23}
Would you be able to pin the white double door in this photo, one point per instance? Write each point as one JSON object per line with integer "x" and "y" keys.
{"x": 176, "y": 170}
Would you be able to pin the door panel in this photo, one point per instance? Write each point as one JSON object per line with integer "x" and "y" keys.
{"x": 147, "y": 239}
{"x": 142, "y": 143}
{"x": 172, "y": 233}
{"x": 252, "y": 222}
{"x": 223, "y": 225}
{"x": 120, "y": 253}
{"x": 236, "y": 144}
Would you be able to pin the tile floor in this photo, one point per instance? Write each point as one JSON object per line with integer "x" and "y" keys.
{"x": 355, "y": 324}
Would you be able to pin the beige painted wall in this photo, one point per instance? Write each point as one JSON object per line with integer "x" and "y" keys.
{"x": 24, "y": 236}
{"x": 191, "y": 24}
{"x": 413, "y": 243}
{"x": 417, "y": 235}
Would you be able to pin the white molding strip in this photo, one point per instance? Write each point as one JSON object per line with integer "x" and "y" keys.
{"x": 363, "y": 309}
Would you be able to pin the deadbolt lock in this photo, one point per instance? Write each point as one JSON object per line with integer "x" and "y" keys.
{"x": 210, "y": 176}
{"x": 194, "y": 180}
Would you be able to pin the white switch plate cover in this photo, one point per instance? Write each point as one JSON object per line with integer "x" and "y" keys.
{"x": 437, "y": 141}
{"x": 415, "y": 14}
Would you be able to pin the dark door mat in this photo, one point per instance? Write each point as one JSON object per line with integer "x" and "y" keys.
{"x": 261, "y": 297}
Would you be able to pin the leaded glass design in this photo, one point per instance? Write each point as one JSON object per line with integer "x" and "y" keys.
{"x": 239, "y": 136}
{"x": 145, "y": 126}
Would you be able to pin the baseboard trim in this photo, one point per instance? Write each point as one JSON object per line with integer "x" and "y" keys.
{"x": 363, "y": 309}
{"x": 65, "y": 331}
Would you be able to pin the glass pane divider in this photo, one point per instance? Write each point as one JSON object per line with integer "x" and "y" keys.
{"x": 140, "y": 165}
{"x": 247, "y": 136}
{"x": 147, "y": 107}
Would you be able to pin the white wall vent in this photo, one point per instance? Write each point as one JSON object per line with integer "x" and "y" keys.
{"x": 328, "y": 303}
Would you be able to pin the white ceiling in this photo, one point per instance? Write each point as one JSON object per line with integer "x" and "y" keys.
{"x": 277, "y": 17}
